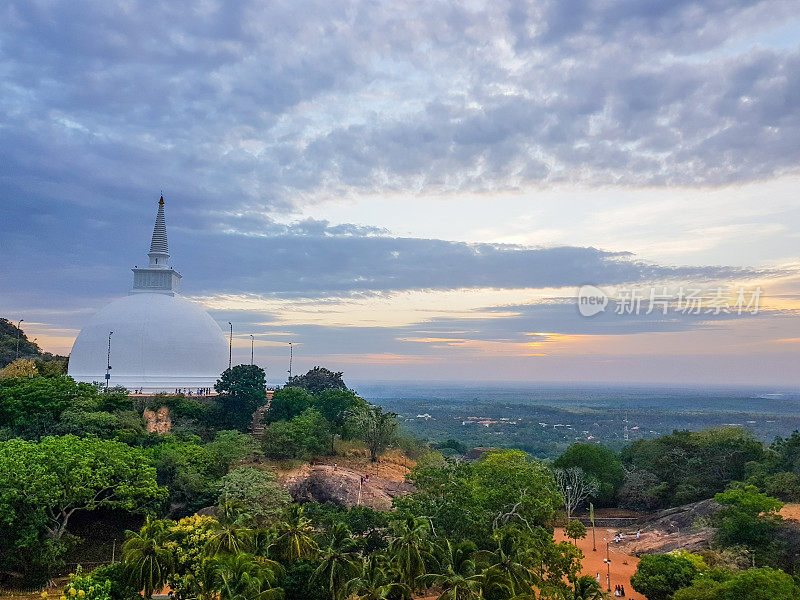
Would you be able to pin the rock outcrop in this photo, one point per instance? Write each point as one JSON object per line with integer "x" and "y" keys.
{"x": 340, "y": 485}
{"x": 158, "y": 421}
{"x": 683, "y": 527}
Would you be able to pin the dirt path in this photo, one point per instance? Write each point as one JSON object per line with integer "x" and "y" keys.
{"x": 791, "y": 512}
{"x": 622, "y": 565}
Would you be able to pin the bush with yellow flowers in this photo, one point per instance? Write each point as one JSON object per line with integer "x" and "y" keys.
{"x": 84, "y": 587}
{"x": 188, "y": 540}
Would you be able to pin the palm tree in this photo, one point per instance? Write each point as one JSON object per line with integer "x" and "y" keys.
{"x": 586, "y": 587}
{"x": 503, "y": 565}
{"x": 409, "y": 546}
{"x": 457, "y": 579}
{"x": 205, "y": 581}
{"x": 495, "y": 586}
{"x": 457, "y": 558}
{"x": 148, "y": 559}
{"x": 241, "y": 577}
{"x": 229, "y": 537}
{"x": 261, "y": 541}
{"x": 294, "y": 536}
{"x": 376, "y": 582}
{"x": 455, "y": 586}
{"x": 340, "y": 562}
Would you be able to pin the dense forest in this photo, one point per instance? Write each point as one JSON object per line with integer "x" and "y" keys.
{"x": 209, "y": 518}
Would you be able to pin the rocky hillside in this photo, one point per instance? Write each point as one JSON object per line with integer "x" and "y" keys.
{"x": 346, "y": 485}
{"x": 10, "y": 336}
{"x": 684, "y": 527}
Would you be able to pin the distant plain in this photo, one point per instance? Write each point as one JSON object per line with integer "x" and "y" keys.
{"x": 544, "y": 419}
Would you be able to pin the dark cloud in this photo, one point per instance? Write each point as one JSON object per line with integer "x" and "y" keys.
{"x": 240, "y": 109}
{"x": 307, "y": 259}
{"x": 250, "y": 104}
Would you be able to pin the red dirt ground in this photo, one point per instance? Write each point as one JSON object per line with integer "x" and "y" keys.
{"x": 791, "y": 512}
{"x": 622, "y": 565}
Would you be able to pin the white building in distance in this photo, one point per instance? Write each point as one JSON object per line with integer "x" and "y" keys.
{"x": 161, "y": 342}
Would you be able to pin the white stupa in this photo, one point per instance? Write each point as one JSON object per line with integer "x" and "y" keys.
{"x": 160, "y": 341}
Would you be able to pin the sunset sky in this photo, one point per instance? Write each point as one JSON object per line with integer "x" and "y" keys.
{"x": 414, "y": 190}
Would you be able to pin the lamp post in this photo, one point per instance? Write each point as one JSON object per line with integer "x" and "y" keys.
{"x": 290, "y": 360}
{"x": 230, "y": 347}
{"x": 608, "y": 566}
{"x": 108, "y": 360}
{"x": 252, "y": 345}
{"x": 19, "y": 332}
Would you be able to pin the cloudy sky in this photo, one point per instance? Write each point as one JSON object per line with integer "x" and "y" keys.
{"x": 416, "y": 189}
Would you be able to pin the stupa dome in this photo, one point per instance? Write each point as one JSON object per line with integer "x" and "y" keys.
{"x": 160, "y": 341}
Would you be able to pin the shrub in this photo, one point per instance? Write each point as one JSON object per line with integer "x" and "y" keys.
{"x": 306, "y": 435}
{"x": 257, "y": 492}
{"x": 659, "y": 576}
{"x": 85, "y": 587}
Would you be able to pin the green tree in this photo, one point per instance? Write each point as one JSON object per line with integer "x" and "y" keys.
{"x": 24, "y": 401}
{"x": 147, "y": 557}
{"x": 89, "y": 423}
{"x": 229, "y": 448}
{"x": 515, "y": 489}
{"x": 188, "y": 470}
{"x": 15, "y": 344}
{"x": 747, "y": 517}
{"x": 298, "y": 584}
{"x": 194, "y": 573}
{"x": 85, "y": 588}
{"x": 318, "y": 380}
{"x": 116, "y": 578}
{"x": 409, "y": 546}
{"x": 575, "y": 530}
{"x": 294, "y": 536}
{"x": 43, "y": 484}
{"x": 191, "y": 470}
{"x": 51, "y": 366}
{"x": 229, "y": 535}
{"x": 554, "y": 565}
{"x": 289, "y": 402}
{"x": 598, "y": 462}
{"x": 659, "y": 576}
{"x": 376, "y": 582}
{"x": 336, "y": 404}
{"x": 506, "y": 563}
{"x": 306, "y": 435}
{"x": 586, "y": 587}
{"x": 457, "y": 579}
{"x": 242, "y": 390}
{"x": 753, "y": 584}
{"x": 32, "y": 408}
{"x": 340, "y": 562}
{"x": 258, "y": 493}
{"x": 51, "y": 480}
{"x": 693, "y": 465}
{"x": 242, "y": 576}
{"x": 472, "y": 500}
{"x": 787, "y": 453}
{"x": 377, "y": 429}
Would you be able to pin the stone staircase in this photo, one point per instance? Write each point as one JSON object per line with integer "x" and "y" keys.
{"x": 257, "y": 424}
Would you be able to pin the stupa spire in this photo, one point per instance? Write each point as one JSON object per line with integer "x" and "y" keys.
{"x": 159, "y": 251}
{"x": 158, "y": 277}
